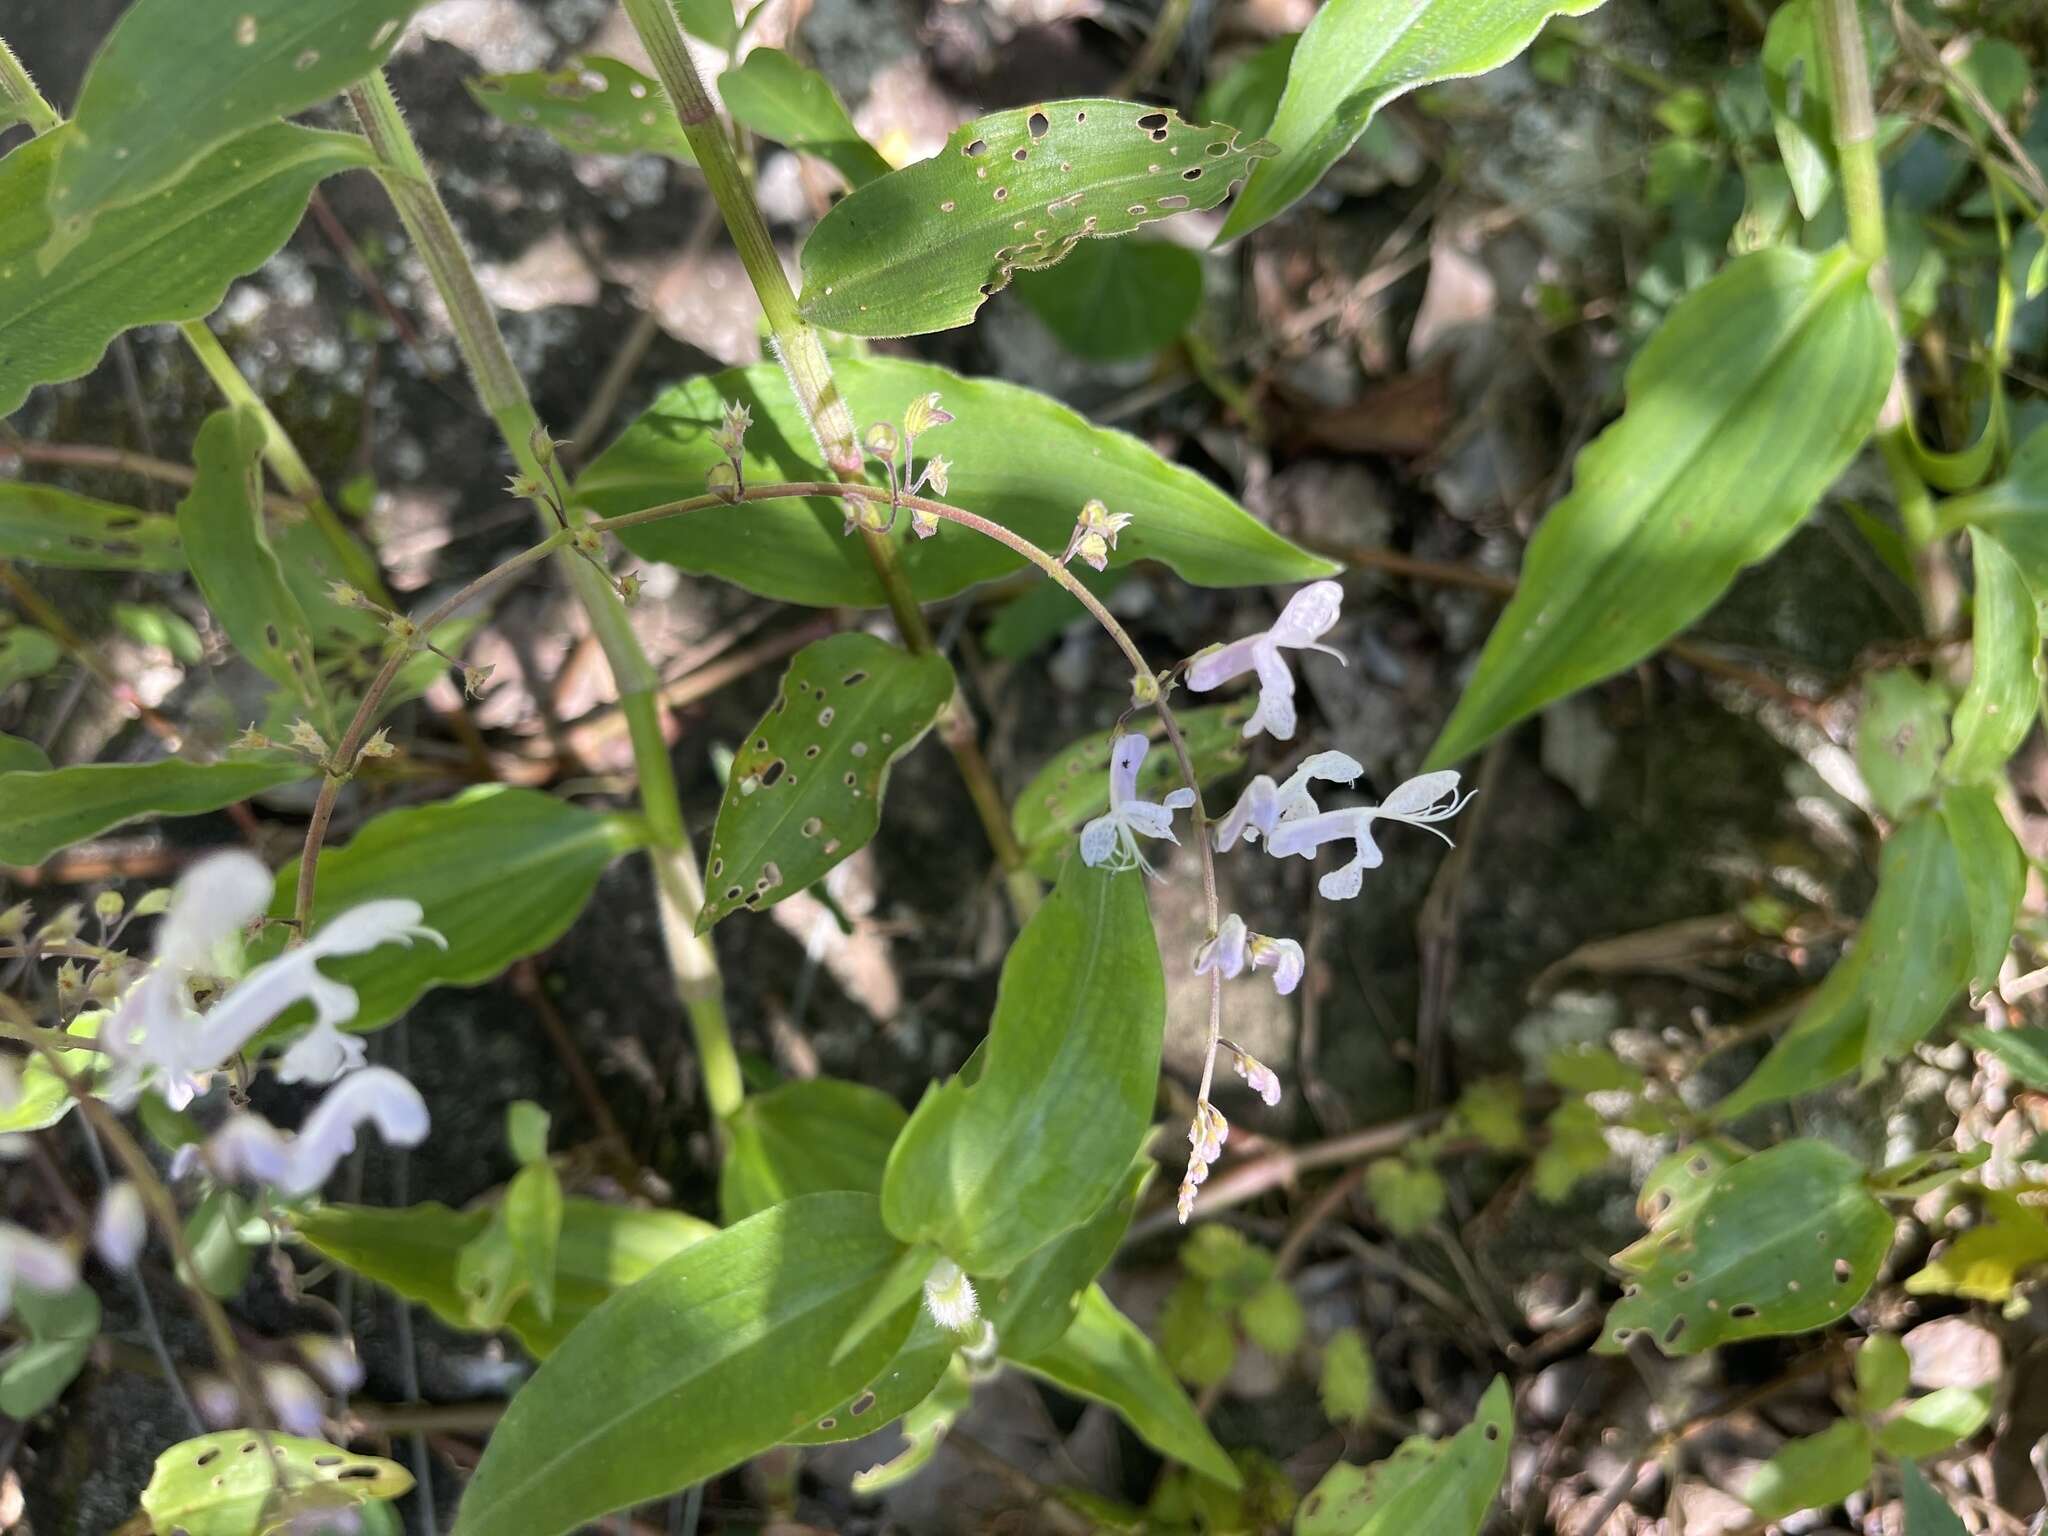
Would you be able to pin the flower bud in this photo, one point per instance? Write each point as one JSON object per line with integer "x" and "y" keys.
{"x": 153, "y": 903}
{"x": 345, "y": 596}
{"x": 1144, "y": 690}
{"x": 588, "y": 541}
{"x": 251, "y": 740}
{"x": 119, "y": 1228}
{"x": 540, "y": 445}
{"x": 108, "y": 906}
{"x": 14, "y": 920}
{"x": 881, "y": 442}
{"x": 62, "y": 928}
{"x": 473, "y": 680}
{"x": 306, "y": 739}
{"x": 936, "y": 475}
{"x": 923, "y": 524}
{"x": 629, "y": 589}
{"x": 379, "y": 745}
{"x": 731, "y": 434}
{"x": 723, "y": 481}
{"x": 401, "y": 629}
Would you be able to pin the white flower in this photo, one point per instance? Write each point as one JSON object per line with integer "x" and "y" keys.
{"x": 1257, "y": 1076}
{"x": 216, "y": 1401}
{"x": 1112, "y": 839}
{"x": 36, "y": 1262}
{"x": 1421, "y": 801}
{"x": 332, "y": 1360}
{"x": 119, "y": 1227}
{"x": 1308, "y": 616}
{"x": 1206, "y": 1135}
{"x": 1235, "y": 946}
{"x": 294, "y": 1400}
{"x": 949, "y": 1297}
{"x": 155, "y": 1037}
{"x": 250, "y": 1147}
{"x": 1264, "y": 804}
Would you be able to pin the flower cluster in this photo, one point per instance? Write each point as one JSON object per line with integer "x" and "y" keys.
{"x": 156, "y": 1039}
{"x": 1283, "y": 815}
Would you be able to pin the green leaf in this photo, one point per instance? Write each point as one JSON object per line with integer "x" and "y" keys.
{"x": 1106, "y": 1358}
{"x": 1195, "y": 1335}
{"x": 1929, "y": 1425}
{"x": 1405, "y": 1196}
{"x": 1812, "y": 1473}
{"x": 1250, "y": 94}
{"x": 1043, "y": 612}
{"x": 26, "y": 652}
{"x": 1899, "y": 740}
{"x": 1346, "y": 1383}
{"x": 416, "y": 1252}
{"x": 923, "y": 1428}
{"x": 1574, "y": 1148}
{"x": 1919, "y": 926}
{"x": 989, "y": 1173}
{"x": 796, "y": 107}
{"x": 1115, "y": 299}
{"x": 911, "y": 1375}
{"x": 712, "y": 20}
{"x": 20, "y": 756}
{"x": 1927, "y": 1512}
{"x": 500, "y": 873}
{"x": 1998, "y": 707}
{"x": 1994, "y": 876}
{"x": 797, "y": 551}
{"x": 515, "y": 1255}
{"x": 1824, "y": 1042}
{"x": 1035, "y": 1303}
{"x": 1444, "y": 1487}
{"x": 43, "y": 1099}
{"x": 213, "y": 1233}
{"x": 42, "y": 525}
{"x": 1073, "y": 788}
{"x": 593, "y": 106}
{"x": 1588, "y": 1068}
{"x": 2023, "y": 1051}
{"x": 1985, "y": 1263}
{"x": 1272, "y": 1319}
{"x": 1358, "y": 55}
{"x": 220, "y": 523}
{"x": 170, "y": 84}
{"x": 2014, "y": 510}
{"x": 1752, "y": 396}
{"x": 1674, "y": 1190}
{"x": 921, "y": 249}
{"x": 1796, "y": 85}
{"x": 804, "y": 1139}
{"x": 1882, "y": 1371}
{"x": 526, "y": 1131}
{"x": 805, "y": 792}
{"x": 1785, "y": 1241}
{"x": 61, "y": 1328}
{"x": 168, "y": 257}
{"x": 710, "y": 1359}
{"x": 225, "y": 1485}
{"x": 60, "y": 806}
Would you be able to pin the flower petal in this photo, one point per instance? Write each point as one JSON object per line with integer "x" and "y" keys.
{"x": 1099, "y": 841}
{"x": 213, "y": 901}
{"x": 1126, "y": 757}
{"x": 1309, "y": 615}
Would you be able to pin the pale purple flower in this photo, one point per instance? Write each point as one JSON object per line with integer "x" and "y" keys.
{"x": 156, "y": 1038}
{"x": 120, "y": 1227}
{"x": 1420, "y": 802}
{"x": 1225, "y": 952}
{"x": 1308, "y": 616}
{"x": 36, "y": 1262}
{"x": 1112, "y": 839}
{"x": 217, "y": 1402}
{"x": 1264, "y": 804}
{"x": 1283, "y": 955}
{"x": 250, "y": 1147}
{"x": 294, "y": 1400}
{"x": 1235, "y": 947}
{"x": 332, "y": 1360}
{"x": 1257, "y": 1076}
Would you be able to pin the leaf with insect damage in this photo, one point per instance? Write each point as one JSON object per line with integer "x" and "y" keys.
{"x": 1445, "y": 1487}
{"x": 806, "y": 790}
{"x": 238, "y": 1482}
{"x": 594, "y": 106}
{"x": 42, "y": 525}
{"x": 921, "y": 249}
{"x": 1784, "y": 1242}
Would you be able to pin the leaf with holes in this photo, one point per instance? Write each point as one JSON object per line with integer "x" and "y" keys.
{"x": 43, "y": 525}
{"x": 1754, "y": 393}
{"x": 797, "y": 551}
{"x": 909, "y": 1377}
{"x": 806, "y": 790}
{"x": 595, "y": 106}
{"x": 1035, "y": 1147}
{"x": 61, "y": 806}
{"x": 500, "y": 873}
{"x": 1114, "y": 299}
{"x": 1358, "y": 55}
{"x": 1812, "y": 1473}
{"x": 921, "y": 249}
{"x": 1997, "y": 709}
{"x": 171, "y": 83}
{"x": 781, "y": 100}
{"x": 924, "y": 1427}
{"x": 169, "y": 257}
{"x": 220, "y": 523}
{"x": 1444, "y": 1487}
{"x": 804, "y": 1139}
{"x": 1073, "y": 788}
{"x": 1674, "y": 1190}
{"x": 229, "y": 1484}
{"x": 416, "y": 1251}
{"x": 1786, "y": 1241}
{"x": 1106, "y": 1357}
{"x": 710, "y": 1359}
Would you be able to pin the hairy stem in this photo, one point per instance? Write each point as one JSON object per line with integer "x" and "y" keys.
{"x": 20, "y": 96}
{"x": 692, "y": 961}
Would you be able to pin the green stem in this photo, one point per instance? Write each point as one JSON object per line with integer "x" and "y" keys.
{"x": 801, "y": 352}
{"x": 20, "y": 95}
{"x": 692, "y": 962}
{"x": 1847, "y": 66}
